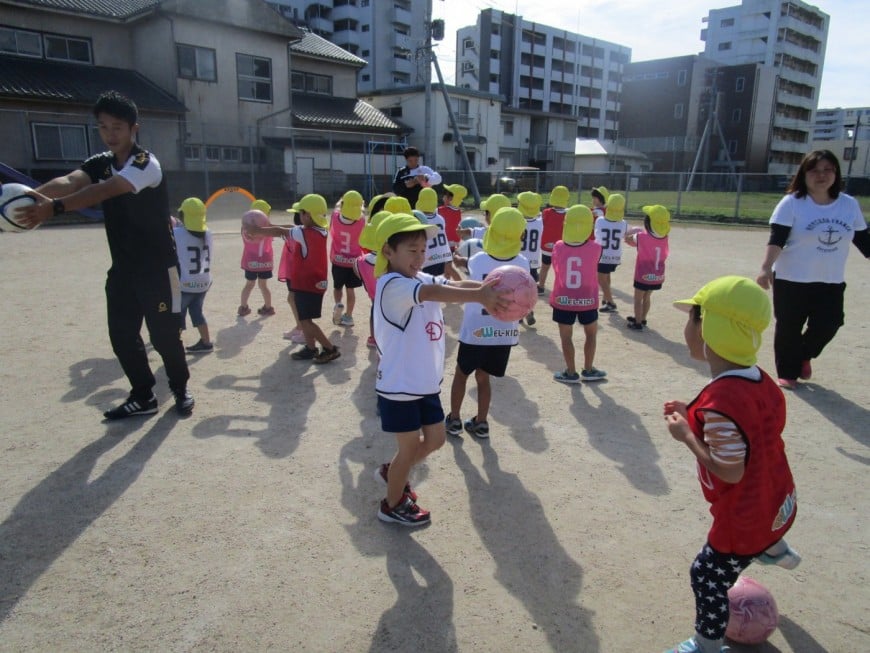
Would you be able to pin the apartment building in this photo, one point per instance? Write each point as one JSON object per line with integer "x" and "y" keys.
{"x": 388, "y": 35}
{"x": 790, "y": 36}
{"x": 846, "y": 132}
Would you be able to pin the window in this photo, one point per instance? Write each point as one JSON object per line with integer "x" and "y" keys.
{"x": 64, "y": 48}
{"x": 365, "y": 28}
{"x": 254, "y": 78}
{"x": 365, "y": 53}
{"x": 682, "y": 76}
{"x": 212, "y": 153}
{"x": 739, "y": 84}
{"x": 364, "y": 3}
{"x": 366, "y": 78}
{"x": 678, "y": 110}
{"x": 393, "y": 112}
{"x": 850, "y": 154}
{"x": 192, "y": 153}
{"x": 494, "y": 54}
{"x": 725, "y": 46}
{"x": 507, "y": 127}
{"x": 310, "y": 83}
{"x": 196, "y": 63}
{"x": 21, "y": 42}
{"x": 53, "y": 142}
{"x": 736, "y": 115}
{"x": 726, "y": 22}
{"x": 231, "y": 154}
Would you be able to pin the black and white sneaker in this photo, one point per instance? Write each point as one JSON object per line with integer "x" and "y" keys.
{"x": 132, "y": 408}
{"x": 183, "y": 402}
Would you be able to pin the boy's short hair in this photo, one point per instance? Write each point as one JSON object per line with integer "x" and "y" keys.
{"x": 117, "y": 105}
{"x": 410, "y": 151}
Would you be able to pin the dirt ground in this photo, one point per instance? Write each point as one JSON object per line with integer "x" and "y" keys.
{"x": 251, "y": 525}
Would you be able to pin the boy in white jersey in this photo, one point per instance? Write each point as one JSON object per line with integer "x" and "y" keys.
{"x": 438, "y": 255}
{"x": 195, "y": 246}
{"x": 609, "y": 230}
{"x": 409, "y": 331}
{"x": 529, "y": 204}
{"x": 575, "y": 292}
{"x": 485, "y": 342}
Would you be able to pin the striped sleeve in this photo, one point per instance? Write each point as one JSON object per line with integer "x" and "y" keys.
{"x": 727, "y": 446}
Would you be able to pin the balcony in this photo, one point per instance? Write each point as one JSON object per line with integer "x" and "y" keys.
{"x": 349, "y": 36}
{"x": 318, "y": 25}
{"x": 404, "y": 66}
{"x": 401, "y": 17}
{"x": 342, "y": 12}
{"x": 781, "y": 145}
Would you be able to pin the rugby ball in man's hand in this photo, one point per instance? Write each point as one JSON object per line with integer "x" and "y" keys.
{"x": 14, "y": 198}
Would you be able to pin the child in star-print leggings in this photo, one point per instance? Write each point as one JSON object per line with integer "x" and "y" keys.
{"x": 712, "y": 575}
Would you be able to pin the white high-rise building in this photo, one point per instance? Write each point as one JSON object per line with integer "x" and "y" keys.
{"x": 546, "y": 69}
{"x": 791, "y": 36}
{"x": 387, "y": 34}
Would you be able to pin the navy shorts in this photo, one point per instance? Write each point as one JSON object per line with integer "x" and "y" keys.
{"x": 344, "y": 278}
{"x": 647, "y": 286}
{"x": 192, "y": 302}
{"x": 410, "y": 416}
{"x": 492, "y": 359}
{"x": 265, "y": 274}
{"x": 569, "y": 317}
{"x": 546, "y": 259}
{"x": 607, "y": 268}
{"x": 308, "y": 304}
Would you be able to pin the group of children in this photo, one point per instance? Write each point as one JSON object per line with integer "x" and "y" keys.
{"x": 406, "y": 260}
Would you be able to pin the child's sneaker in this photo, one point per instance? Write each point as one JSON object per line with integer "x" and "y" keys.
{"x": 381, "y": 475}
{"x": 453, "y": 425}
{"x": 541, "y": 290}
{"x": 788, "y": 384}
{"x": 788, "y": 559}
{"x": 632, "y": 323}
{"x": 266, "y": 311}
{"x": 244, "y": 310}
{"x": 691, "y": 646}
{"x": 201, "y": 347}
{"x": 337, "y": 312}
{"x": 477, "y": 429}
{"x": 566, "y": 377}
{"x": 593, "y": 374}
{"x": 304, "y": 354}
{"x": 406, "y": 513}
{"x": 132, "y": 408}
{"x": 370, "y": 342}
{"x": 530, "y": 318}
{"x": 607, "y": 307}
{"x": 295, "y": 335}
{"x": 346, "y": 321}
{"x": 327, "y": 355}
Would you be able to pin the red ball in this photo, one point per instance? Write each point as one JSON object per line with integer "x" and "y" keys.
{"x": 523, "y": 292}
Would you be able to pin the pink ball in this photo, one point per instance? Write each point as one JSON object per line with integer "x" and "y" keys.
{"x": 524, "y": 291}
{"x": 254, "y": 219}
{"x": 753, "y": 614}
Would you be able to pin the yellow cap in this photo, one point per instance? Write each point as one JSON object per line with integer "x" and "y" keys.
{"x": 427, "y": 201}
{"x": 315, "y": 206}
{"x": 192, "y": 212}
{"x": 578, "y": 224}
{"x": 559, "y": 197}
{"x": 735, "y": 311}
{"x": 529, "y": 203}
{"x": 393, "y": 224}
{"x": 601, "y": 193}
{"x": 398, "y": 204}
{"x": 504, "y": 238}
{"x": 494, "y": 202}
{"x": 615, "y": 208}
{"x": 368, "y": 237}
{"x": 351, "y": 205}
{"x": 261, "y": 205}
{"x": 458, "y": 192}
{"x": 376, "y": 200}
{"x": 659, "y": 219}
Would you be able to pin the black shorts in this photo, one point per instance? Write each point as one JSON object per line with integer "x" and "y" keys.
{"x": 569, "y": 317}
{"x": 534, "y": 273}
{"x": 546, "y": 259}
{"x": 308, "y": 304}
{"x": 435, "y": 269}
{"x": 607, "y": 268}
{"x": 264, "y": 274}
{"x": 492, "y": 359}
{"x": 410, "y": 416}
{"x": 344, "y": 277}
{"x": 289, "y": 286}
{"x": 647, "y": 286}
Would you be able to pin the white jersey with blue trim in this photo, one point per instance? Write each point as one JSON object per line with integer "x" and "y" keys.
{"x": 478, "y": 326}
{"x": 194, "y": 259}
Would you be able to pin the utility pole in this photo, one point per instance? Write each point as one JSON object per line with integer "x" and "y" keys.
{"x": 854, "y": 144}
{"x": 428, "y": 138}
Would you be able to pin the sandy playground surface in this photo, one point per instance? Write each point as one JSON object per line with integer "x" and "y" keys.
{"x": 251, "y": 525}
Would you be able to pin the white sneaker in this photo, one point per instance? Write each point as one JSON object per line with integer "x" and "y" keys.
{"x": 788, "y": 559}
{"x": 346, "y": 321}
{"x": 337, "y": 312}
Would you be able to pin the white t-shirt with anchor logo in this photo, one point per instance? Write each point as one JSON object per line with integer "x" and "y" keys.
{"x": 820, "y": 238}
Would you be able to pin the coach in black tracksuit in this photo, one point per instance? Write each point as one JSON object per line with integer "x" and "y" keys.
{"x": 143, "y": 281}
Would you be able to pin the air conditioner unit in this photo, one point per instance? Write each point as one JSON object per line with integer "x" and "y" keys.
{"x": 468, "y": 66}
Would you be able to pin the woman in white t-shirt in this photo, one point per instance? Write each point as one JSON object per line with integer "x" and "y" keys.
{"x": 810, "y": 232}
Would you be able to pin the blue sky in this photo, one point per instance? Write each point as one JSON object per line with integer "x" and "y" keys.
{"x": 670, "y": 28}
